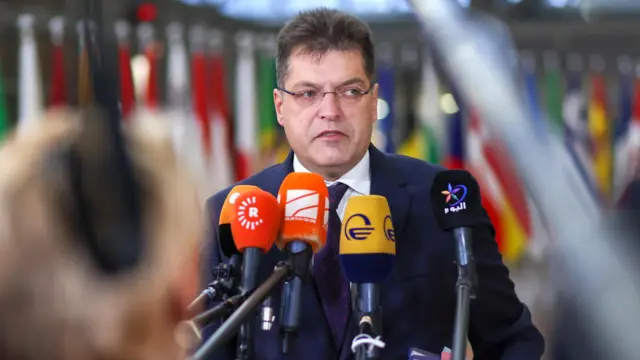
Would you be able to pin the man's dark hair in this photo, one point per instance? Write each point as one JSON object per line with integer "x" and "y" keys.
{"x": 319, "y": 30}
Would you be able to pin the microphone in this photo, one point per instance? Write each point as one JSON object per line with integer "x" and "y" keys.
{"x": 255, "y": 225}
{"x": 367, "y": 254}
{"x": 225, "y": 277}
{"x": 227, "y": 213}
{"x": 457, "y": 206}
{"x": 305, "y": 199}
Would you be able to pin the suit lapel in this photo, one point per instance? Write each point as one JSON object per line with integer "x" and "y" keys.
{"x": 280, "y": 171}
{"x": 271, "y": 184}
{"x": 387, "y": 181}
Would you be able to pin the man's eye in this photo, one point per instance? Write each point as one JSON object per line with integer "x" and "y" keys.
{"x": 352, "y": 92}
{"x": 307, "y": 94}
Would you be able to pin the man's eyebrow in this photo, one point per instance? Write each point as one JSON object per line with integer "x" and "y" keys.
{"x": 306, "y": 84}
{"x": 353, "y": 81}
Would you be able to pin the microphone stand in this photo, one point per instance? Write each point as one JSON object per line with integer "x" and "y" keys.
{"x": 369, "y": 319}
{"x": 191, "y": 330}
{"x": 300, "y": 255}
{"x": 220, "y": 311}
{"x": 249, "y": 281}
{"x": 234, "y": 322}
{"x": 225, "y": 284}
{"x": 465, "y": 290}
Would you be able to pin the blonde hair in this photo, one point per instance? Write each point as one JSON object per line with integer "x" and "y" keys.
{"x": 55, "y": 303}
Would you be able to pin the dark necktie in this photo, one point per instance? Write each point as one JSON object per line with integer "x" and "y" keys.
{"x": 331, "y": 283}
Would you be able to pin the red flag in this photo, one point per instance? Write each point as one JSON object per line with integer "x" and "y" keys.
{"x": 503, "y": 196}
{"x": 199, "y": 83}
{"x": 127, "y": 93}
{"x": 219, "y": 97}
{"x": 58, "y": 90}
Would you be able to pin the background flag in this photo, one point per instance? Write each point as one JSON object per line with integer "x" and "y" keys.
{"x": 85, "y": 90}
{"x": 149, "y": 86}
{"x": 5, "y": 124}
{"x": 553, "y": 92}
{"x": 412, "y": 142}
{"x": 267, "y": 113}
{"x": 222, "y": 174}
{"x": 600, "y": 129}
{"x": 383, "y": 133}
{"x": 574, "y": 113}
{"x": 246, "y": 130}
{"x": 431, "y": 117}
{"x": 58, "y": 89}
{"x": 199, "y": 86}
{"x": 30, "y": 104}
{"x": 127, "y": 92}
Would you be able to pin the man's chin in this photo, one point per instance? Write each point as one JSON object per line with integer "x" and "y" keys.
{"x": 330, "y": 160}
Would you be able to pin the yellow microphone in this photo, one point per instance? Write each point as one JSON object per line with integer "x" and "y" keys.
{"x": 367, "y": 240}
{"x": 367, "y": 253}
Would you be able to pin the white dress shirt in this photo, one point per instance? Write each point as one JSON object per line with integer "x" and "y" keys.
{"x": 358, "y": 179}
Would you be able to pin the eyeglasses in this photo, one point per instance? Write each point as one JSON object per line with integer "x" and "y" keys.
{"x": 348, "y": 95}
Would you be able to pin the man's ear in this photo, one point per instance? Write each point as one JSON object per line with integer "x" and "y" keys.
{"x": 278, "y": 101}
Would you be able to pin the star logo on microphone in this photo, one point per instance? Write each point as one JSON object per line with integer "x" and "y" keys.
{"x": 456, "y": 193}
{"x": 248, "y": 215}
{"x": 455, "y": 198}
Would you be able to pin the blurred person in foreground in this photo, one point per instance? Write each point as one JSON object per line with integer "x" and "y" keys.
{"x": 55, "y": 301}
{"x": 326, "y": 101}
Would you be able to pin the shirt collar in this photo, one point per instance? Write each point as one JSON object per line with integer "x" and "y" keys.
{"x": 358, "y": 178}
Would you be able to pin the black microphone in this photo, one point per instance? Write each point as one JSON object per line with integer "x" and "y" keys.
{"x": 457, "y": 206}
{"x": 367, "y": 254}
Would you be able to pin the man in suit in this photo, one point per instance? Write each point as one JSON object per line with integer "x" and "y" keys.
{"x": 326, "y": 101}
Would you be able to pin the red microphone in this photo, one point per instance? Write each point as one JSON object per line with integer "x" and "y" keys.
{"x": 254, "y": 227}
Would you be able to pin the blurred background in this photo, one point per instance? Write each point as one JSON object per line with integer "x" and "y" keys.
{"x": 214, "y": 61}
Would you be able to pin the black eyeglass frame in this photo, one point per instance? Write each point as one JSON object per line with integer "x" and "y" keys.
{"x": 335, "y": 92}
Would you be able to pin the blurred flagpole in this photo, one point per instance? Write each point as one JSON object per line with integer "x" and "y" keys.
{"x": 471, "y": 56}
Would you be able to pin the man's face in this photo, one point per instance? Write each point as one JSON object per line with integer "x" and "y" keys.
{"x": 333, "y": 131}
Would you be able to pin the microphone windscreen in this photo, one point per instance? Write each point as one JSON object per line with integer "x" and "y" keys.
{"x": 456, "y": 201}
{"x": 257, "y": 220}
{"x": 367, "y": 239}
{"x": 227, "y": 213}
{"x": 305, "y": 200}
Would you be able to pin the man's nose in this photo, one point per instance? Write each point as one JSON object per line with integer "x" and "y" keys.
{"x": 329, "y": 107}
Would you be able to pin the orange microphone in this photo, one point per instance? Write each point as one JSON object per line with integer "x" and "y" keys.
{"x": 305, "y": 199}
{"x": 227, "y": 213}
{"x": 225, "y": 278}
{"x": 255, "y": 223}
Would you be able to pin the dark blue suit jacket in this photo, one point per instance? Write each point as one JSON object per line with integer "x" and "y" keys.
{"x": 419, "y": 298}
